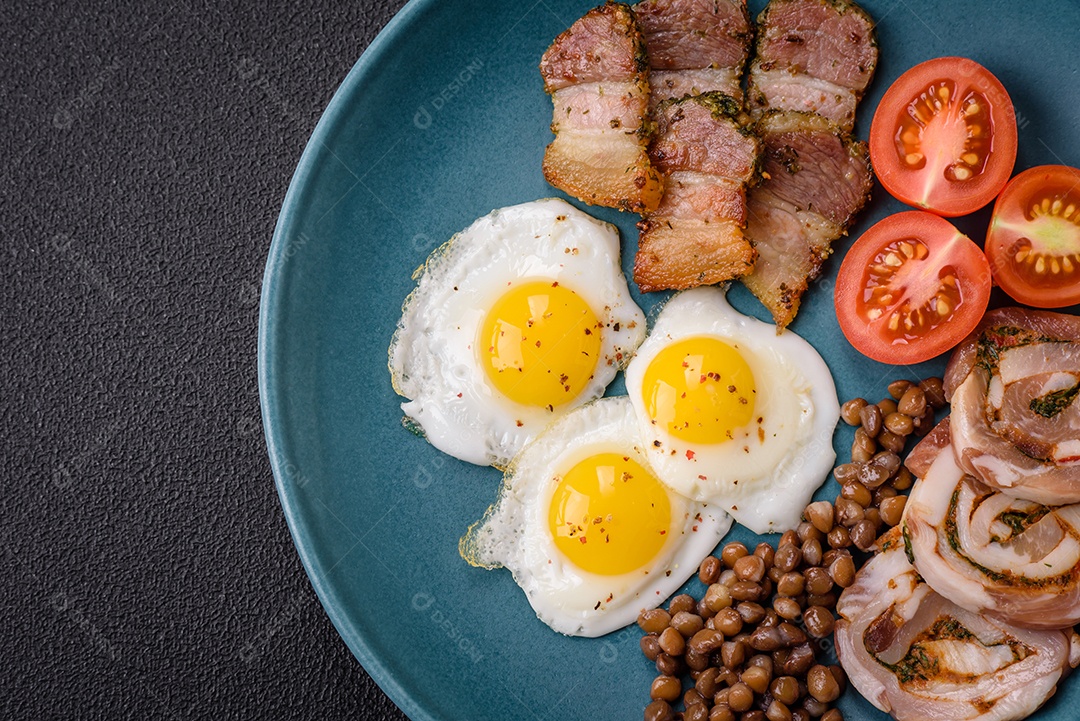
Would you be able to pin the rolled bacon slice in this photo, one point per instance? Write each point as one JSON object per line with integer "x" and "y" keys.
{"x": 707, "y": 157}
{"x": 695, "y": 46}
{"x": 597, "y": 75}
{"x": 816, "y": 178}
{"x": 926, "y": 451}
{"x": 1041, "y": 322}
{"x": 1015, "y": 421}
{"x": 914, "y": 654}
{"x": 812, "y": 55}
{"x": 1010, "y": 559}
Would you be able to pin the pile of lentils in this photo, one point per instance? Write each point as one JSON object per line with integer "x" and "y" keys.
{"x": 749, "y": 646}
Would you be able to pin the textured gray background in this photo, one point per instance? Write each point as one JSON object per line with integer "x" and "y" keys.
{"x": 144, "y": 154}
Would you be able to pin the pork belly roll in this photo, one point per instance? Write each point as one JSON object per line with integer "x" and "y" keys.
{"x": 1015, "y": 423}
{"x": 696, "y": 235}
{"x": 695, "y": 46}
{"x": 816, "y": 178}
{"x": 1008, "y": 558}
{"x": 914, "y": 654}
{"x": 812, "y": 55}
{"x": 926, "y": 451}
{"x": 1042, "y": 322}
{"x": 597, "y": 75}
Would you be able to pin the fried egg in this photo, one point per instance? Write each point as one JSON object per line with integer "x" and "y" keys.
{"x": 732, "y": 413}
{"x": 520, "y": 318}
{"x": 586, "y": 528}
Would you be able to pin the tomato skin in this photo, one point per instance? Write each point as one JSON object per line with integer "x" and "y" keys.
{"x": 952, "y": 132}
{"x": 1034, "y": 220}
{"x": 912, "y": 266}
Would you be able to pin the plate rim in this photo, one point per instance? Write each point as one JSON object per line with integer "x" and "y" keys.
{"x": 270, "y": 383}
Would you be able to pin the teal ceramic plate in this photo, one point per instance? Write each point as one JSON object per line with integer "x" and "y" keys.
{"x": 442, "y": 120}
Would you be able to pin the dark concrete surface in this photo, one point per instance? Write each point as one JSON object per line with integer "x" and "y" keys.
{"x": 145, "y": 149}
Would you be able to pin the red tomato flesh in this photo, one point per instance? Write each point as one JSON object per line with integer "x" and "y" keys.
{"x": 1033, "y": 243}
{"x": 943, "y": 137}
{"x": 911, "y": 288}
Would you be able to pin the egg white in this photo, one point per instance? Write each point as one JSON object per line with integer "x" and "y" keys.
{"x": 768, "y": 472}
{"x": 432, "y": 358}
{"x": 514, "y": 532}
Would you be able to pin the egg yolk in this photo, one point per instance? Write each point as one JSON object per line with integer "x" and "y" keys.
{"x": 699, "y": 390}
{"x": 540, "y": 344}
{"x": 609, "y": 515}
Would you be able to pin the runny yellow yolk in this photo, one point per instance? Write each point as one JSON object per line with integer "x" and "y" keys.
{"x": 609, "y": 515}
{"x": 540, "y": 344}
{"x": 699, "y": 390}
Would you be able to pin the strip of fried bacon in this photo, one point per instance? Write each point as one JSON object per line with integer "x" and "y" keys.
{"x": 816, "y": 178}
{"x": 913, "y": 653}
{"x": 695, "y": 46}
{"x": 695, "y": 237}
{"x": 597, "y": 75}
{"x": 812, "y": 55}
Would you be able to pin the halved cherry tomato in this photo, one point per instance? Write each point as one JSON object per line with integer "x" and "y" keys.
{"x": 911, "y": 288}
{"x": 944, "y": 137}
{"x": 1033, "y": 243}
